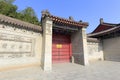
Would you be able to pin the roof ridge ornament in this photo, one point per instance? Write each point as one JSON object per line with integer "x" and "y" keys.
{"x": 80, "y": 21}
{"x": 45, "y": 12}
{"x": 101, "y": 21}
{"x": 71, "y": 18}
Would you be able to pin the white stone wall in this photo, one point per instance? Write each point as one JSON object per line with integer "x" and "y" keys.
{"x": 95, "y": 51}
{"x": 19, "y": 47}
{"x": 111, "y": 49}
{"x": 47, "y": 44}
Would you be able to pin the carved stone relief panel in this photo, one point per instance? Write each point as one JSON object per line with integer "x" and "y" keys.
{"x": 14, "y": 46}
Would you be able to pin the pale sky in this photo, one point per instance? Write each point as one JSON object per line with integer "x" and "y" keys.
{"x": 86, "y": 10}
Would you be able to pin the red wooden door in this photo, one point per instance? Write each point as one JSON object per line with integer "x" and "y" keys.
{"x": 61, "y": 48}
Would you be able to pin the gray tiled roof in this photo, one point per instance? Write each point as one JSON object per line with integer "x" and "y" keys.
{"x": 22, "y": 24}
{"x": 63, "y": 21}
{"x": 104, "y": 32}
{"x": 93, "y": 40}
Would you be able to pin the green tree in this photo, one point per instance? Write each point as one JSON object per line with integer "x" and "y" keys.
{"x": 28, "y": 11}
{"x": 7, "y": 1}
{"x": 30, "y": 16}
{"x": 8, "y": 9}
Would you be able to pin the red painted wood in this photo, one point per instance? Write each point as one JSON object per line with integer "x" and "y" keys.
{"x": 63, "y": 54}
{"x": 102, "y": 28}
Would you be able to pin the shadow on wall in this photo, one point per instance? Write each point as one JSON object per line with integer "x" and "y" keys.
{"x": 112, "y": 57}
{"x": 77, "y": 58}
{"x": 111, "y": 48}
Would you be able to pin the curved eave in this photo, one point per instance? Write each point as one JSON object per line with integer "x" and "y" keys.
{"x": 110, "y": 24}
{"x": 104, "y": 32}
{"x": 60, "y": 20}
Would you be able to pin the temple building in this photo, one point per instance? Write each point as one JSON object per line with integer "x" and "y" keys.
{"x": 109, "y": 36}
{"x": 57, "y": 40}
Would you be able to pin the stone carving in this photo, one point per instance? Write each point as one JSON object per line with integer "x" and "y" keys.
{"x": 20, "y": 46}
{"x": 1, "y": 56}
{"x": 27, "y": 47}
{"x": 17, "y": 38}
{"x": 14, "y": 56}
{"x": 12, "y": 46}
{"x": 4, "y": 45}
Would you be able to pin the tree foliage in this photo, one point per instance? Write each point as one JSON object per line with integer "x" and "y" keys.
{"x": 29, "y": 15}
{"x": 7, "y": 1}
{"x": 8, "y": 9}
{"x": 28, "y": 11}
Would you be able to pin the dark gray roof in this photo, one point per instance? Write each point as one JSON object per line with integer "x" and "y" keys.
{"x": 60, "y": 20}
{"x": 22, "y": 24}
{"x": 110, "y": 24}
{"x": 92, "y": 40}
{"x": 104, "y": 32}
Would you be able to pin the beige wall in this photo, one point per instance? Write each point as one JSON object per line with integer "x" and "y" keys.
{"x": 112, "y": 49}
{"x": 95, "y": 51}
{"x": 19, "y": 47}
{"x": 47, "y": 44}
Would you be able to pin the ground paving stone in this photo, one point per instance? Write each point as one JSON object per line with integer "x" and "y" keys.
{"x": 104, "y": 70}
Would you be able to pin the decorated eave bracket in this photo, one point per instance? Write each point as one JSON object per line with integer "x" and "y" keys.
{"x": 65, "y": 27}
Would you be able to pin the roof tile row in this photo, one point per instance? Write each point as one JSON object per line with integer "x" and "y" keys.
{"x": 19, "y": 23}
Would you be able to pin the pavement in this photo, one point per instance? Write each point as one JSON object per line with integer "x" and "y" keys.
{"x": 104, "y": 70}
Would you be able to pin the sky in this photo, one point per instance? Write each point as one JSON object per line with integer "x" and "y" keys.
{"x": 86, "y": 10}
